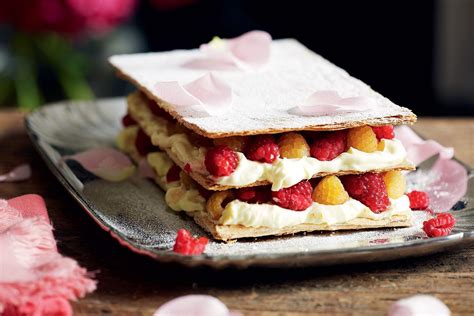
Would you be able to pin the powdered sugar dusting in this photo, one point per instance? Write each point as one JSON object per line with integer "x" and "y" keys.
{"x": 262, "y": 99}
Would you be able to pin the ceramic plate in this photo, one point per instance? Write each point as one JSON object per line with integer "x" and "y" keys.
{"x": 135, "y": 213}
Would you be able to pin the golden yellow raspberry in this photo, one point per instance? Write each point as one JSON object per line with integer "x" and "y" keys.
{"x": 217, "y": 201}
{"x": 362, "y": 138}
{"x": 293, "y": 145}
{"x": 330, "y": 191}
{"x": 236, "y": 143}
{"x": 395, "y": 183}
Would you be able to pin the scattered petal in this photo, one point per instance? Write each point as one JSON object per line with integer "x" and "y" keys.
{"x": 249, "y": 51}
{"x": 106, "y": 163}
{"x": 30, "y": 205}
{"x": 449, "y": 186}
{"x": 19, "y": 173}
{"x": 145, "y": 170}
{"x": 419, "y": 305}
{"x": 208, "y": 94}
{"x": 195, "y": 305}
{"x": 419, "y": 150}
{"x": 329, "y": 102}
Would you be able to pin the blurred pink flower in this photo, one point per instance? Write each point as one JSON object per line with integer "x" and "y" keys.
{"x": 65, "y": 16}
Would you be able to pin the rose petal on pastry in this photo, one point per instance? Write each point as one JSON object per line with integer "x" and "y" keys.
{"x": 106, "y": 163}
{"x": 419, "y": 150}
{"x": 329, "y": 102}
{"x": 419, "y": 305}
{"x": 19, "y": 173}
{"x": 207, "y": 93}
{"x": 196, "y": 305}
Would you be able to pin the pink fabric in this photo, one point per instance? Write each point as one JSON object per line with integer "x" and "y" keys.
{"x": 34, "y": 278}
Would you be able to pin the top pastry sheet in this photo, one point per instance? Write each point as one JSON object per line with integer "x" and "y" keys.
{"x": 262, "y": 99}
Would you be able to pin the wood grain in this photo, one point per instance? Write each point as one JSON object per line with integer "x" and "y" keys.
{"x": 130, "y": 284}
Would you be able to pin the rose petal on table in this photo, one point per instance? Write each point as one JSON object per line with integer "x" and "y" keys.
{"x": 449, "y": 186}
{"x": 30, "y": 205}
{"x": 145, "y": 170}
{"x": 106, "y": 163}
{"x": 329, "y": 102}
{"x": 193, "y": 305}
{"x": 19, "y": 173}
{"x": 419, "y": 150}
{"x": 207, "y": 93}
{"x": 419, "y": 305}
{"x": 9, "y": 215}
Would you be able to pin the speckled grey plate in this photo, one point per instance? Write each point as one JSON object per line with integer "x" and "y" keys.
{"x": 134, "y": 211}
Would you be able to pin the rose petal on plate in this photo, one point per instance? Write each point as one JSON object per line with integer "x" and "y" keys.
{"x": 419, "y": 150}
{"x": 449, "y": 186}
{"x": 329, "y": 102}
{"x": 207, "y": 93}
{"x": 106, "y": 163}
{"x": 419, "y": 305}
{"x": 251, "y": 48}
{"x": 19, "y": 173}
{"x": 193, "y": 305}
{"x": 145, "y": 170}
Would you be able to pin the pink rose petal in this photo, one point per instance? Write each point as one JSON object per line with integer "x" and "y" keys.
{"x": 329, "y": 102}
{"x": 193, "y": 305}
{"x": 419, "y": 150}
{"x": 449, "y": 186}
{"x": 249, "y": 51}
{"x": 207, "y": 93}
{"x": 419, "y": 305}
{"x": 106, "y": 163}
{"x": 30, "y": 205}
{"x": 19, "y": 173}
{"x": 145, "y": 170}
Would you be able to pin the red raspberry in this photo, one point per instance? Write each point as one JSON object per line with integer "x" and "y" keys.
{"x": 369, "y": 189}
{"x": 173, "y": 174}
{"x": 185, "y": 244}
{"x": 385, "y": 132}
{"x": 187, "y": 168}
{"x": 296, "y": 198}
{"x": 128, "y": 120}
{"x": 143, "y": 143}
{"x": 158, "y": 111}
{"x": 263, "y": 148}
{"x": 221, "y": 161}
{"x": 419, "y": 200}
{"x": 329, "y": 145}
{"x": 439, "y": 226}
{"x": 257, "y": 195}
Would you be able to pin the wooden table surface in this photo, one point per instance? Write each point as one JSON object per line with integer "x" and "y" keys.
{"x": 130, "y": 284}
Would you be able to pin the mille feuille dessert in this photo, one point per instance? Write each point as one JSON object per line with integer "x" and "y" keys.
{"x": 254, "y": 137}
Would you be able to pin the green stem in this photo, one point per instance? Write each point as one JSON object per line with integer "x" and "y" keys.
{"x": 25, "y": 80}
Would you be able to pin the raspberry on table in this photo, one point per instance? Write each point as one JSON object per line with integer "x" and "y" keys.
{"x": 296, "y": 198}
{"x": 384, "y": 132}
{"x": 439, "y": 226}
{"x": 263, "y": 148}
{"x": 329, "y": 145}
{"x": 221, "y": 161}
{"x": 395, "y": 183}
{"x": 128, "y": 120}
{"x": 186, "y": 244}
{"x": 362, "y": 138}
{"x": 369, "y": 189}
{"x": 330, "y": 191}
{"x": 143, "y": 143}
{"x": 419, "y": 200}
{"x": 173, "y": 174}
{"x": 257, "y": 195}
{"x": 236, "y": 143}
{"x": 293, "y": 145}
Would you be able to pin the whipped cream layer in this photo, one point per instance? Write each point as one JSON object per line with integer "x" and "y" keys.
{"x": 268, "y": 215}
{"x": 284, "y": 173}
